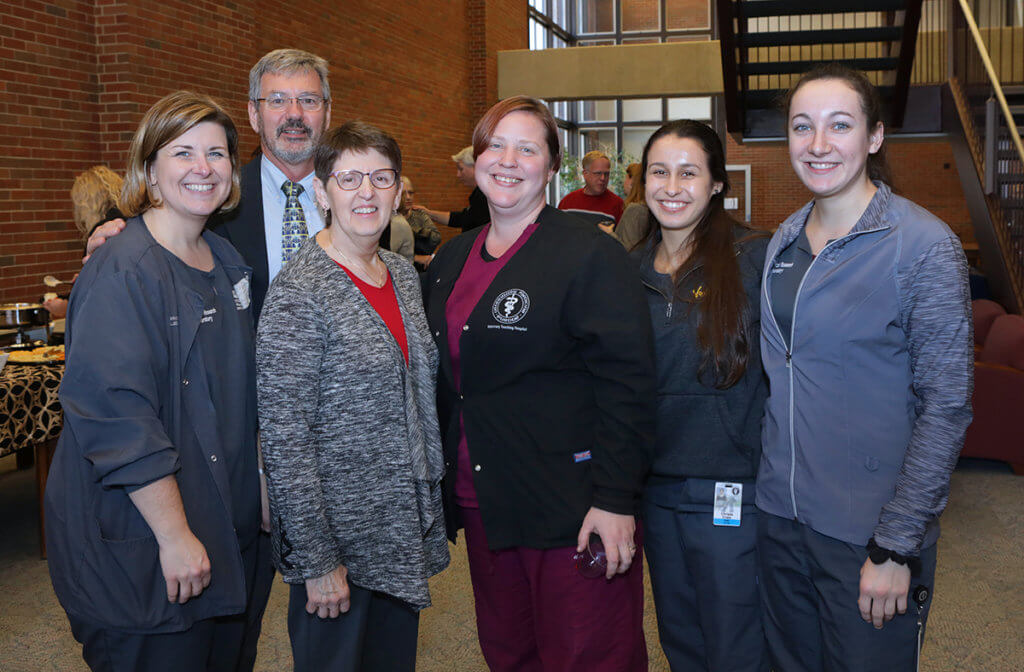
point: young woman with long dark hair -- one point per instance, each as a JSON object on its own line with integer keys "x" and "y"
{"x": 702, "y": 272}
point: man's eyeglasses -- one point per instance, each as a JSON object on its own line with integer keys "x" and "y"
{"x": 277, "y": 103}
{"x": 350, "y": 180}
{"x": 599, "y": 173}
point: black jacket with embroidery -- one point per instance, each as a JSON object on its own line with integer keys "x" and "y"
{"x": 574, "y": 373}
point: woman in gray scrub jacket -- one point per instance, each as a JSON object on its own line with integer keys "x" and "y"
{"x": 866, "y": 340}
{"x": 153, "y": 500}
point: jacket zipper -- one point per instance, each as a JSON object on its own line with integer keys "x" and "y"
{"x": 789, "y": 354}
{"x": 668, "y": 299}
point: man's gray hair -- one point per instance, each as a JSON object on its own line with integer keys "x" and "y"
{"x": 288, "y": 61}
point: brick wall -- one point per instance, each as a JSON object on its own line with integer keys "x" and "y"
{"x": 76, "y": 77}
{"x": 922, "y": 171}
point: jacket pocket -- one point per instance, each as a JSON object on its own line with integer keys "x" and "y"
{"x": 117, "y": 518}
{"x": 125, "y": 587}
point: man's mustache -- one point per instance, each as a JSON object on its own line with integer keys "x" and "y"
{"x": 294, "y": 126}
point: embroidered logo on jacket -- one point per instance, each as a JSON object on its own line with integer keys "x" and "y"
{"x": 511, "y": 306}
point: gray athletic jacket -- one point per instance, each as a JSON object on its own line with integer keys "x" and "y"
{"x": 349, "y": 432}
{"x": 868, "y": 408}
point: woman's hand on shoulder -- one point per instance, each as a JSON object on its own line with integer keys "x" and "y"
{"x": 616, "y": 531}
{"x": 328, "y": 596}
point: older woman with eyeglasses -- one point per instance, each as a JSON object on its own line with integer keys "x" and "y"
{"x": 346, "y": 378}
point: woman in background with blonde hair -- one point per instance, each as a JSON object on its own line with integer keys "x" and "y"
{"x": 94, "y": 198}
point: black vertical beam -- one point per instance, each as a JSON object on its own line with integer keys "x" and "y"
{"x": 911, "y": 22}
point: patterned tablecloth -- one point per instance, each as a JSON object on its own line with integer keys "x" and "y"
{"x": 29, "y": 410}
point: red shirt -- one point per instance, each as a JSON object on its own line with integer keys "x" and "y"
{"x": 385, "y": 302}
{"x": 607, "y": 203}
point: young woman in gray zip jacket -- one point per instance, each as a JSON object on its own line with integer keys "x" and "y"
{"x": 866, "y": 340}
{"x": 702, "y": 275}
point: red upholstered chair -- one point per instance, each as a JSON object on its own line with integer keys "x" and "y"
{"x": 997, "y": 432}
{"x": 985, "y": 313}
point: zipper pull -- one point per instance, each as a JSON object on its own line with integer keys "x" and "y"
{"x": 789, "y": 359}
{"x": 668, "y": 310}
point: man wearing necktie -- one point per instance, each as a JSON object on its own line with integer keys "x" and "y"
{"x": 289, "y": 108}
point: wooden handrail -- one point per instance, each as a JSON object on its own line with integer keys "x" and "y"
{"x": 996, "y": 87}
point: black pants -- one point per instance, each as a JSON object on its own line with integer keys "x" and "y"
{"x": 216, "y": 644}
{"x": 809, "y": 589}
{"x": 377, "y": 634}
{"x": 259, "y": 594}
{"x": 704, "y": 580}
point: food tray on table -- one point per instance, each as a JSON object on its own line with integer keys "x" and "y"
{"x": 39, "y": 356}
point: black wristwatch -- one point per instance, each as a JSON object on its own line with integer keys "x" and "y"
{"x": 879, "y": 556}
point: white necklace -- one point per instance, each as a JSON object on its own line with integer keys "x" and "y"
{"x": 373, "y": 281}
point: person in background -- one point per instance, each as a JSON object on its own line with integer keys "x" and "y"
{"x": 702, "y": 273}
{"x": 633, "y": 224}
{"x": 546, "y": 397}
{"x": 398, "y": 237}
{"x": 476, "y": 213}
{"x": 594, "y": 202}
{"x": 289, "y": 108}
{"x": 94, "y": 196}
{"x": 425, "y": 235}
{"x": 153, "y": 500}
{"x": 866, "y": 340}
{"x": 630, "y": 179}
{"x": 347, "y": 372}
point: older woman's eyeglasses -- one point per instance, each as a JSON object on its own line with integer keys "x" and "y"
{"x": 277, "y": 103}
{"x": 350, "y": 180}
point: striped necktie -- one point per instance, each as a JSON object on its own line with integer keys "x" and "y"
{"x": 293, "y": 229}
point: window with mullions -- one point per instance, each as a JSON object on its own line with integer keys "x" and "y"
{"x": 617, "y": 127}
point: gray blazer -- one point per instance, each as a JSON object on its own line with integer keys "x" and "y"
{"x": 349, "y": 433}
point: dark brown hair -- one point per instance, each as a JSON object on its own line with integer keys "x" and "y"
{"x": 353, "y": 136}
{"x": 723, "y": 315}
{"x": 870, "y": 105}
{"x": 485, "y": 127}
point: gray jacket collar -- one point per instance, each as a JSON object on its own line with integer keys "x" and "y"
{"x": 873, "y": 218}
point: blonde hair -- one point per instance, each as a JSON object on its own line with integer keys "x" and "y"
{"x": 592, "y": 156}
{"x": 93, "y": 194}
{"x": 465, "y": 156}
{"x": 636, "y": 191}
{"x": 172, "y": 116}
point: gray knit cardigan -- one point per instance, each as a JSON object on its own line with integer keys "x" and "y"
{"x": 349, "y": 433}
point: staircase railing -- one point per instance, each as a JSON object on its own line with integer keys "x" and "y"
{"x": 995, "y": 145}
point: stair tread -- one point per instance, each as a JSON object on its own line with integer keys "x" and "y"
{"x": 761, "y": 98}
{"x": 831, "y": 36}
{"x": 782, "y": 67}
{"x": 800, "y": 7}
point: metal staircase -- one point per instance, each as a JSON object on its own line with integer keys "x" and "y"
{"x": 985, "y": 120}
{"x": 767, "y": 44}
